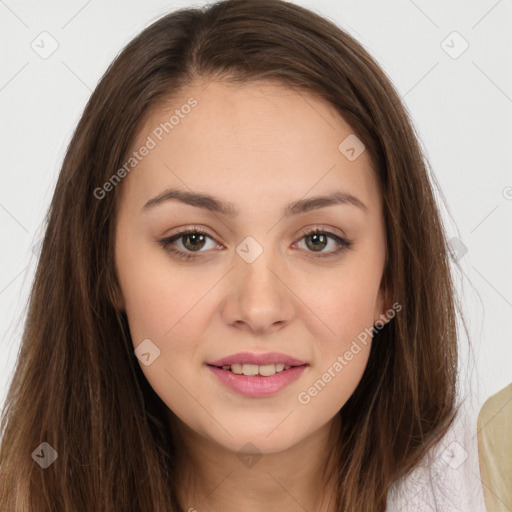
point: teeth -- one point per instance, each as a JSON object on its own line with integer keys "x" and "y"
{"x": 236, "y": 368}
{"x": 265, "y": 370}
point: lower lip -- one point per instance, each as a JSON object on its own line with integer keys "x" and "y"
{"x": 256, "y": 385}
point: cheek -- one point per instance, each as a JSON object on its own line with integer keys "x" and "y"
{"x": 174, "y": 321}
{"x": 341, "y": 357}
{"x": 345, "y": 306}
{"x": 163, "y": 305}
{"x": 159, "y": 298}
{"x": 149, "y": 304}
{"x": 162, "y": 319}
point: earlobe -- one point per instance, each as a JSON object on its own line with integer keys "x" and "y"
{"x": 383, "y": 308}
{"x": 115, "y": 295}
{"x": 118, "y": 301}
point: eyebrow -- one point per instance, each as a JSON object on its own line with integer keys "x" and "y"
{"x": 216, "y": 205}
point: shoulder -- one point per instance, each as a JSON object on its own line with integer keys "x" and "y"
{"x": 495, "y": 449}
{"x": 497, "y": 408}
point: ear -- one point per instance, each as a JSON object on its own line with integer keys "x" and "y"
{"x": 115, "y": 295}
{"x": 384, "y": 310}
{"x": 117, "y": 300}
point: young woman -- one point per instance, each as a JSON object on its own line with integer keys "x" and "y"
{"x": 243, "y": 299}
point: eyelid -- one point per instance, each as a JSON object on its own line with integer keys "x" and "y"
{"x": 327, "y": 229}
{"x": 304, "y": 231}
{"x": 331, "y": 232}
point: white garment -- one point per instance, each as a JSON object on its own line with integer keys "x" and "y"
{"x": 448, "y": 478}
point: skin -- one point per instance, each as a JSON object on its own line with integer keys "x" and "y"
{"x": 261, "y": 146}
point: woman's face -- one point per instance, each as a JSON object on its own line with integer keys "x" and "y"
{"x": 256, "y": 282}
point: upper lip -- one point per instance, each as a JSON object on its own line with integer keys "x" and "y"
{"x": 259, "y": 359}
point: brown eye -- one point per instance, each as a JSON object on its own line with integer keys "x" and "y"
{"x": 318, "y": 241}
{"x": 186, "y": 243}
{"x": 195, "y": 241}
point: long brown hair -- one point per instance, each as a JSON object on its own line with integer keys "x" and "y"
{"x": 77, "y": 384}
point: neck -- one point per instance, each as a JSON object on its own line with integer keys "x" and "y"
{"x": 214, "y": 478}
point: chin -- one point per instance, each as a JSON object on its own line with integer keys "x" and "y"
{"x": 257, "y": 439}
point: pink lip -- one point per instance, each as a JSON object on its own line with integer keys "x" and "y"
{"x": 256, "y": 385}
{"x": 259, "y": 359}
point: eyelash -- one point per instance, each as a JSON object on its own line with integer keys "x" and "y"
{"x": 166, "y": 242}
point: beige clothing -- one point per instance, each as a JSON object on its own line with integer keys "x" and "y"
{"x": 495, "y": 450}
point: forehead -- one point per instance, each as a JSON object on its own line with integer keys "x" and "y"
{"x": 258, "y": 137}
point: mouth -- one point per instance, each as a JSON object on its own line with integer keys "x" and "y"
{"x": 256, "y": 381}
{"x": 247, "y": 369}
{"x": 248, "y": 359}
{"x": 257, "y": 375}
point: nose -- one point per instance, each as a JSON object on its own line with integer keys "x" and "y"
{"x": 259, "y": 298}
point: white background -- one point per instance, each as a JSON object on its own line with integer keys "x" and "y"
{"x": 462, "y": 111}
